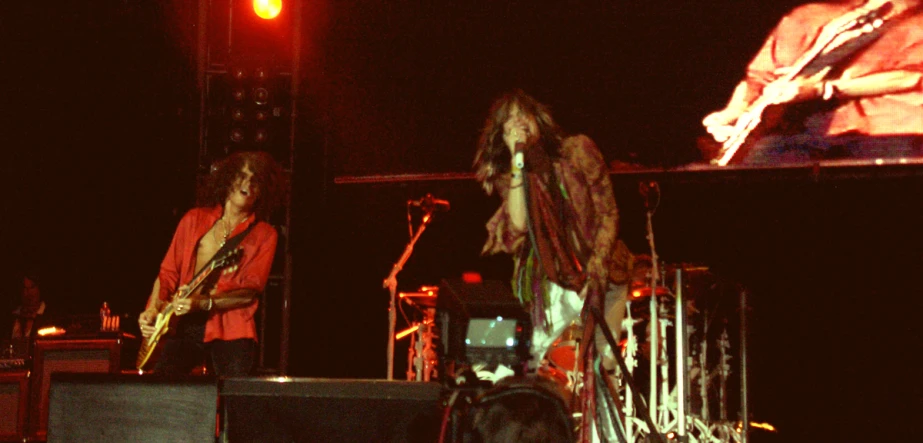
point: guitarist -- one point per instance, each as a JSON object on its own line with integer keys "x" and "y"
{"x": 867, "y": 104}
{"x": 217, "y": 322}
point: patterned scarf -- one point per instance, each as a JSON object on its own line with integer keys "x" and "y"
{"x": 551, "y": 254}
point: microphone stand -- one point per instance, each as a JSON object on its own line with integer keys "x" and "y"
{"x": 391, "y": 283}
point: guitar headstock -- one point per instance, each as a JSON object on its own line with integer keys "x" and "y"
{"x": 228, "y": 259}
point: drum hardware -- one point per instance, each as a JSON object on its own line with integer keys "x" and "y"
{"x": 421, "y": 354}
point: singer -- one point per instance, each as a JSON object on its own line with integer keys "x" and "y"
{"x": 558, "y": 217}
{"x": 869, "y": 104}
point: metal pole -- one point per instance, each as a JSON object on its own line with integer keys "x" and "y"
{"x": 285, "y": 327}
{"x": 201, "y": 76}
{"x": 653, "y": 326}
{"x": 744, "y": 407}
{"x": 680, "y": 332}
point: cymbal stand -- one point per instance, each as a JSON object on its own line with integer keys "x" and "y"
{"x": 390, "y": 283}
{"x": 682, "y": 351}
{"x": 663, "y": 367}
{"x": 703, "y": 371}
{"x": 651, "y": 193}
{"x": 631, "y": 362}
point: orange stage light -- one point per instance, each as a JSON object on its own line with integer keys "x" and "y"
{"x": 267, "y": 9}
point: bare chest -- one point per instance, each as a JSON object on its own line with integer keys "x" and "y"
{"x": 208, "y": 245}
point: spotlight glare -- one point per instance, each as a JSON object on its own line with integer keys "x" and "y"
{"x": 267, "y": 9}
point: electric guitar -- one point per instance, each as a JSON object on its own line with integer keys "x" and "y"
{"x": 227, "y": 260}
{"x": 833, "y": 35}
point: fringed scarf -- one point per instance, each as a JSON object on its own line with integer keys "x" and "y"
{"x": 550, "y": 254}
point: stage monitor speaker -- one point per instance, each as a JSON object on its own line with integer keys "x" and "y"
{"x": 285, "y": 410}
{"x": 89, "y": 408}
{"x": 14, "y": 399}
{"x": 65, "y": 355}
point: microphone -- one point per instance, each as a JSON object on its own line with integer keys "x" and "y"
{"x": 429, "y": 203}
{"x": 651, "y": 192}
{"x": 518, "y": 157}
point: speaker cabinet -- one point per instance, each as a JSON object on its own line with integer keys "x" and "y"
{"x": 283, "y": 410}
{"x": 66, "y": 355}
{"x": 132, "y": 408}
{"x": 14, "y": 399}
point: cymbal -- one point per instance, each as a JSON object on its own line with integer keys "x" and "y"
{"x": 687, "y": 267}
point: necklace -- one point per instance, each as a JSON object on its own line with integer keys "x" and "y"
{"x": 226, "y": 227}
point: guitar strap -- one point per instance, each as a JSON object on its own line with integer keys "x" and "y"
{"x": 232, "y": 242}
{"x": 229, "y": 245}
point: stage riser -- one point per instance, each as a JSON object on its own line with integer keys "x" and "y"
{"x": 106, "y": 409}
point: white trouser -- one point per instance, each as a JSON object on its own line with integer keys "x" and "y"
{"x": 564, "y": 306}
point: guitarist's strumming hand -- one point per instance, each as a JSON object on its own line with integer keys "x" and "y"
{"x": 720, "y": 124}
{"x": 146, "y": 322}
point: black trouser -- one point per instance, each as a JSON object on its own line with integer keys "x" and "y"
{"x": 185, "y": 350}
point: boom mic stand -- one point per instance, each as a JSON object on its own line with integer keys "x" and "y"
{"x": 390, "y": 281}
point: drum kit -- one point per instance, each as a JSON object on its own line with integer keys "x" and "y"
{"x": 681, "y": 343}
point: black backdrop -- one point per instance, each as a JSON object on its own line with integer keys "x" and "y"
{"x": 100, "y": 146}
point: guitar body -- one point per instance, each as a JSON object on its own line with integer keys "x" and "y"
{"x": 226, "y": 261}
{"x": 148, "y": 345}
{"x": 759, "y": 119}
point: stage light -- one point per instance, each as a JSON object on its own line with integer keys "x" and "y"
{"x": 261, "y": 96}
{"x": 261, "y": 136}
{"x": 51, "y": 331}
{"x": 237, "y": 135}
{"x": 261, "y": 74}
{"x": 237, "y": 114}
{"x": 267, "y": 9}
{"x": 239, "y": 73}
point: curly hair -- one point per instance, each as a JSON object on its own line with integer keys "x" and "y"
{"x": 493, "y": 157}
{"x": 267, "y": 176}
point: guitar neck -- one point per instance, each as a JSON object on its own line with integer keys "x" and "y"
{"x": 196, "y": 282}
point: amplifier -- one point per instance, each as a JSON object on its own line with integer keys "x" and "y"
{"x": 12, "y": 364}
{"x": 71, "y": 356}
{"x": 14, "y": 399}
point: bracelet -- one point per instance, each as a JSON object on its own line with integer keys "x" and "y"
{"x": 211, "y": 304}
